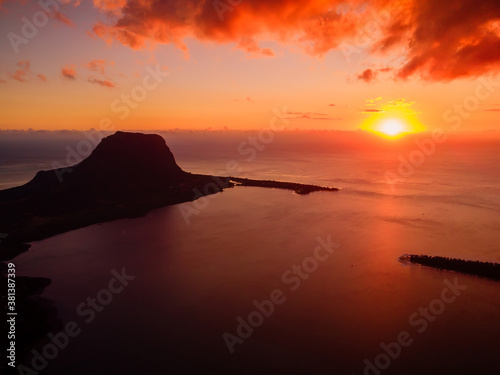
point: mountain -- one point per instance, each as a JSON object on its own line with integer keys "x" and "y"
{"x": 125, "y": 176}
{"x": 121, "y": 163}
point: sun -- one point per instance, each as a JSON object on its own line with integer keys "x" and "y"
{"x": 392, "y": 127}
{"x": 394, "y": 120}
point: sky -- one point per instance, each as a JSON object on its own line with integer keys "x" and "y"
{"x": 234, "y": 64}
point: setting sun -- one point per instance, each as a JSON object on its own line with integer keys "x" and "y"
{"x": 392, "y": 127}
{"x": 391, "y": 119}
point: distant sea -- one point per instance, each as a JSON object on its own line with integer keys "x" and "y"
{"x": 195, "y": 277}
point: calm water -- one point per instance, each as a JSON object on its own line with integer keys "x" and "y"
{"x": 193, "y": 280}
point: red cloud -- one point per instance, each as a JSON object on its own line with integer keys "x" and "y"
{"x": 102, "y": 82}
{"x": 62, "y": 18}
{"x": 368, "y": 75}
{"x": 460, "y": 39}
{"x": 98, "y": 65}
{"x": 110, "y": 6}
{"x": 434, "y": 40}
{"x": 312, "y": 23}
{"x": 69, "y": 72}
{"x": 251, "y": 46}
{"x": 23, "y": 72}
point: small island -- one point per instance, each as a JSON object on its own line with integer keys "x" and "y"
{"x": 469, "y": 267}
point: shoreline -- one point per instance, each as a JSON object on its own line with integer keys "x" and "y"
{"x": 21, "y": 233}
{"x": 301, "y": 189}
{"x": 468, "y": 267}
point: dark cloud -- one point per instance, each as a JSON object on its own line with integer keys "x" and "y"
{"x": 430, "y": 39}
{"x": 368, "y": 75}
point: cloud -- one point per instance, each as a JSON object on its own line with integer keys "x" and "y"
{"x": 3, "y": 80}
{"x": 372, "y": 101}
{"x": 385, "y": 70}
{"x": 308, "y": 116}
{"x": 314, "y": 24}
{"x": 492, "y": 110}
{"x": 447, "y": 42}
{"x": 22, "y": 74}
{"x": 397, "y": 106}
{"x": 372, "y": 110}
{"x": 250, "y": 46}
{"x": 98, "y": 65}
{"x": 112, "y": 7}
{"x": 69, "y": 72}
{"x": 62, "y": 18}
{"x": 331, "y": 105}
{"x": 402, "y": 105}
{"x": 102, "y": 82}
{"x": 427, "y": 40}
{"x": 368, "y": 75}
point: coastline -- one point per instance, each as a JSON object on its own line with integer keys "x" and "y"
{"x": 475, "y": 268}
{"x": 24, "y": 231}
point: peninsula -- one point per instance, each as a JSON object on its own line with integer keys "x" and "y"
{"x": 476, "y": 268}
{"x": 127, "y": 175}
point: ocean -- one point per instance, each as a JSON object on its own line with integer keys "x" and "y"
{"x": 266, "y": 281}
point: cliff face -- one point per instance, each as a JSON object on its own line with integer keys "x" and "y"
{"x": 125, "y": 176}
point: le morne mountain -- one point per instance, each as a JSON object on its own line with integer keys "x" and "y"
{"x": 126, "y": 175}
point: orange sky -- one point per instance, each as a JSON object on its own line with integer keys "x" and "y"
{"x": 231, "y": 63}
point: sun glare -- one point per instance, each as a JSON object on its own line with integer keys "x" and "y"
{"x": 393, "y": 120}
{"x": 392, "y": 127}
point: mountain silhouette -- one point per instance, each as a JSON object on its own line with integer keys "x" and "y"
{"x": 126, "y": 175}
{"x": 120, "y": 164}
